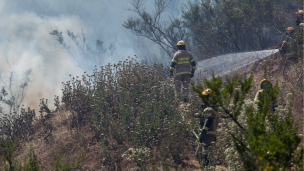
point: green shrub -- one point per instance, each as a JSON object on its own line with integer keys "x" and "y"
{"x": 133, "y": 104}
{"x": 261, "y": 140}
{"x": 17, "y": 126}
{"x": 62, "y": 162}
{"x": 30, "y": 163}
{"x": 10, "y": 163}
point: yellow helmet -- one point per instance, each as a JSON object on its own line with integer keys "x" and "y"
{"x": 301, "y": 24}
{"x": 300, "y": 12}
{"x": 265, "y": 81}
{"x": 289, "y": 29}
{"x": 206, "y": 92}
{"x": 181, "y": 43}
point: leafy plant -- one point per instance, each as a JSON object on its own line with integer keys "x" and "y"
{"x": 261, "y": 140}
{"x": 10, "y": 163}
{"x": 130, "y": 103}
{"x": 62, "y": 162}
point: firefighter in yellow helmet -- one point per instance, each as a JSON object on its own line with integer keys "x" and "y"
{"x": 289, "y": 31}
{"x": 181, "y": 62}
{"x": 265, "y": 83}
{"x": 209, "y": 120}
{"x": 299, "y": 15}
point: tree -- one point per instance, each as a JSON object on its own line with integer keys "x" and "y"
{"x": 263, "y": 141}
{"x": 154, "y": 27}
{"x": 234, "y": 26}
{"x": 212, "y": 28}
{"x": 13, "y": 97}
{"x": 85, "y": 56}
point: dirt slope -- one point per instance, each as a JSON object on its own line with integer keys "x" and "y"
{"x": 287, "y": 71}
{"x": 64, "y": 140}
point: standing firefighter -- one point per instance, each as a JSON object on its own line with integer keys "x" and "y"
{"x": 181, "y": 62}
{"x": 299, "y": 15}
{"x": 209, "y": 120}
{"x": 265, "y": 87}
{"x": 288, "y": 33}
{"x": 290, "y": 30}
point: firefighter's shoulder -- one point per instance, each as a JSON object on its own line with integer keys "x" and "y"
{"x": 176, "y": 54}
{"x": 189, "y": 54}
{"x": 209, "y": 112}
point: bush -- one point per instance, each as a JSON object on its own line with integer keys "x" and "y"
{"x": 212, "y": 28}
{"x": 261, "y": 139}
{"x": 130, "y": 106}
{"x": 10, "y": 163}
{"x": 17, "y": 126}
{"x": 128, "y": 103}
{"x": 63, "y": 164}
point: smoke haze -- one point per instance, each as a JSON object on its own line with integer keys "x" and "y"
{"x": 25, "y": 42}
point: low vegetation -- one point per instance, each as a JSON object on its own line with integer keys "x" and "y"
{"x": 130, "y": 113}
{"x": 125, "y": 116}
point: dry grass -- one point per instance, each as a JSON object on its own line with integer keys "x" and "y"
{"x": 287, "y": 72}
{"x": 63, "y": 140}
{"x": 70, "y": 140}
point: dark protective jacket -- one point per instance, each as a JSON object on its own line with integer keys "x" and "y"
{"x": 272, "y": 105}
{"x": 181, "y": 62}
{"x": 299, "y": 19}
{"x": 210, "y": 120}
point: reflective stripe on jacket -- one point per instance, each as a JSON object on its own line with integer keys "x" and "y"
{"x": 209, "y": 112}
{"x": 181, "y": 62}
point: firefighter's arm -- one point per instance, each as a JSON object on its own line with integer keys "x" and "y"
{"x": 173, "y": 63}
{"x": 298, "y": 21}
{"x": 172, "y": 66}
{"x": 192, "y": 62}
{"x": 208, "y": 124}
{"x": 197, "y": 115}
{"x": 256, "y": 98}
{"x": 209, "y": 114}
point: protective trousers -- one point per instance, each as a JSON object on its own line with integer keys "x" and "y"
{"x": 206, "y": 151}
{"x": 178, "y": 81}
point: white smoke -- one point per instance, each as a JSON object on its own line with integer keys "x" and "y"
{"x": 25, "y": 43}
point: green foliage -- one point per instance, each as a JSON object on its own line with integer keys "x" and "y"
{"x": 215, "y": 27}
{"x": 30, "y": 163}
{"x": 8, "y": 146}
{"x": 232, "y": 26}
{"x": 10, "y": 163}
{"x": 130, "y": 103}
{"x": 14, "y": 126}
{"x": 262, "y": 140}
{"x": 62, "y": 162}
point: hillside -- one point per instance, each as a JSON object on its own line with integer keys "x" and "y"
{"x": 65, "y": 135}
{"x": 73, "y": 96}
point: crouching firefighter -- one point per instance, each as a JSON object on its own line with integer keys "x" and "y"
{"x": 209, "y": 120}
{"x": 181, "y": 62}
{"x": 266, "y": 86}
